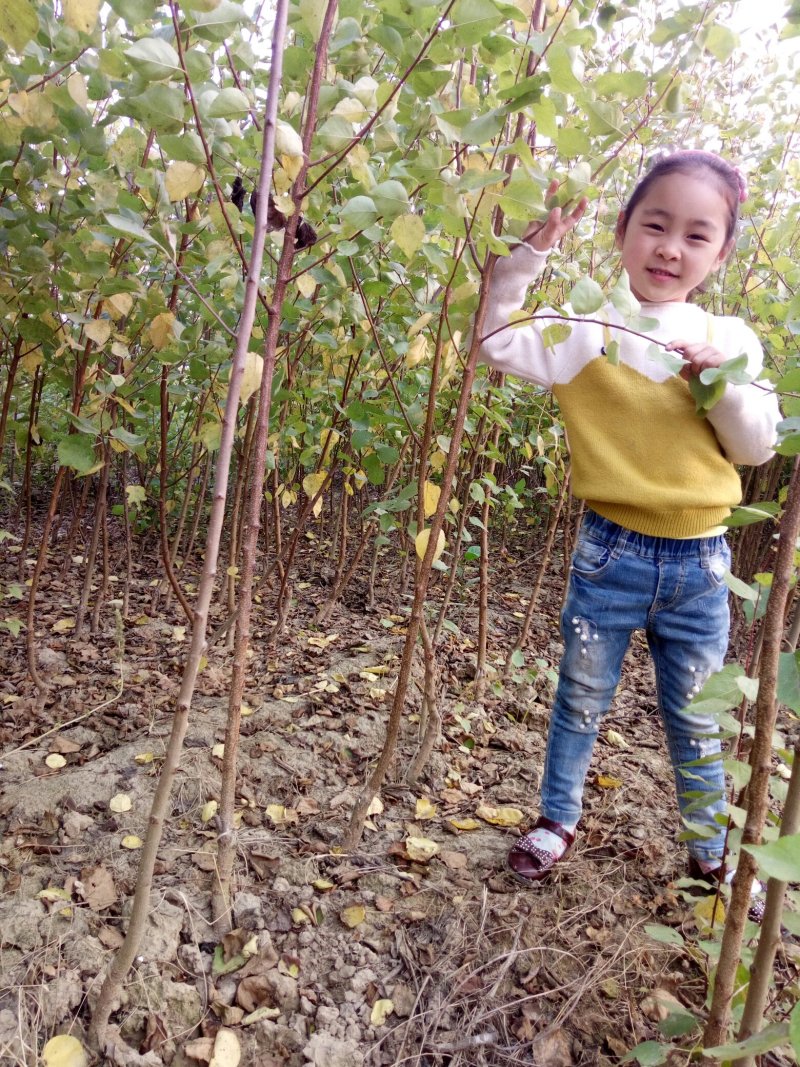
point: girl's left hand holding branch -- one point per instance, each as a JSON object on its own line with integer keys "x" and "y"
{"x": 699, "y": 356}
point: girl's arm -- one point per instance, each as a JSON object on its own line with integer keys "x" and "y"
{"x": 519, "y": 350}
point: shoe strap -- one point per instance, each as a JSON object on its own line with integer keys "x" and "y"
{"x": 554, "y": 828}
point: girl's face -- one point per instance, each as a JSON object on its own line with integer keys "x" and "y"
{"x": 675, "y": 237}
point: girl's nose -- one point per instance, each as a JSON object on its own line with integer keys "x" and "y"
{"x": 668, "y": 249}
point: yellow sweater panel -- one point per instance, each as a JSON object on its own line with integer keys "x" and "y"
{"x": 633, "y": 439}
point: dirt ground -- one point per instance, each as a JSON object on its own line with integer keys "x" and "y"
{"x": 389, "y": 955}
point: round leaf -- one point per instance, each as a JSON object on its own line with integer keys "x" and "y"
{"x": 64, "y": 1051}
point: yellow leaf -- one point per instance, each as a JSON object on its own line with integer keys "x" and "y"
{"x": 380, "y": 1010}
{"x": 322, "y": 884}
{"x": 464, "y": 824}
{"x": 379, "y": 669}
{"x": 119, "y": 304}
{"x": 438, "y": 460}
{"x": 706, "y": 914}
{"x": 375, "y": 806}
{"x": 312, "y": 483}
{"x": 178, "y": 633}
{"x": 420, "y": 324}
{"x": 408, "y": 233}
{"x": 502, "y": 816}
{"x": 329, "y": 439}
{"x": 55, "y": 761}
{"x": 424, "y": 809}
{"x": 300, "y": 917}
{"x": 245, "y": 710}
{"x": 209, "y": 810}
{"x": 183, "y": 179}
{"x": 227, "y": 1050}
{"x": 421, "y": 849}
{"x": 421, "y": 543}
{"x": 162, "y": 330}
{"x": 251, "y": 376}
{"x": 29, "y": 363}
{"x": 417, "y": 351}
{"x": 430, "y": 498}
{"x": 306, "y": 285}
{"x": 277, "y": 813}
{"x": 52, "y": 894}
{"x": 353, "y": 916}
{"x": 64, "y": 1051}
{"x": 144, "y": 757}
{"x": 120, "y": 803}
{"x": 608, "y": 781}
{"x": 615, "y": 739}
{"x": 81, "y": 15}
{"x": 63, "y": 626}
{"x": 76, "y": 87}
{"x": 131, "y": 841}
{"x": 98, "y": 330}
{"x": 218, "y": 751}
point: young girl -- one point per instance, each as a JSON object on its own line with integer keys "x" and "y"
{"x": 657, "y": 478}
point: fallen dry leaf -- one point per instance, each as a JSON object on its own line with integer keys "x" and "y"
{"x": 64, "y": 1051}
{"x": 132, "y": 842}
{"x": 99, "y": 890}
{"x": 424, "y": 809}
{"x": 353, "y": 916}
{"x": 503, "y": 816}
{"x": 464, "y": 824}
{"x": 608, "y": 781}
{"x": 55, "y": 761}
{"x": 381, "y": 1009}
{"x": 421, "y": 849}
{"x": 120, "y": 803}
{"x": 227, "y": 1050}
{"x": 456, "y": 861}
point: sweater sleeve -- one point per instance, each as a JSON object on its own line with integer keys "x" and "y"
{"x": 516, "y": 350}
{"x": 746, "y": 416}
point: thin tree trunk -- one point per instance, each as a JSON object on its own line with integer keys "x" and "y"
{"x": 221, "y": 892}
{"x": 770, "y": 934}
{"x": 126, "y": 954}
{"x": 760, "y": 762}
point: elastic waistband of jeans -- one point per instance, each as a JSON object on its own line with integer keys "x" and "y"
{"x": 620, "y": 538}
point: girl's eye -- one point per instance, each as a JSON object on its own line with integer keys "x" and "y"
{"x": 698, "y": 237}
{"x": 653, "y": 226}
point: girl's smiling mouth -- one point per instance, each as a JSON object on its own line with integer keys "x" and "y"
{"x": 660, "y": 272}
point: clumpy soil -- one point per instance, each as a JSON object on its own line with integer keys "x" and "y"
{"x": 399, "y": 953}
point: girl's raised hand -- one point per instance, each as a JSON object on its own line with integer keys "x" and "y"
{"x": 542, "y": 236}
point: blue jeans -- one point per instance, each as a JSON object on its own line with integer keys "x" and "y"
{"x": 673, "y": 590}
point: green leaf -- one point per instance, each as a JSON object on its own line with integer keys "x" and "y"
{"x": 586, "y": 296}
{"x": 766, "y": 1039}
{"x": 721, "y": 41}
{"x": 390, "y": 199}
{"x": 555, "y": 334}
{"x": 648, "y": 1054}
{"x": 789, "y": 680}
{"x": 18, "y": 22}
{"x": 622, "y": 298}
{"x": 746, "y": 516}
{"x": 154, "y": 58}
{"x": 664, "y": 934}
{"x": 76, "y": 452}
{"x": 630, "y": 84}
{"x": 230, "y": 103}
{"x": 358, "y": 213}
{"x": 130, "y": 228}
{"x": 472, "y": 20}
{"x": 779, "y": 859}
{"x": 794, "y": 1029}
{"x": 705, "y": 396}
{"x": 559, "y": 63}
{"x": 131, "y": 441}
{"x": 737, "y": 586}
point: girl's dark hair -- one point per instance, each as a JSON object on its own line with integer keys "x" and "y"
{"x": 729, "y": 179}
